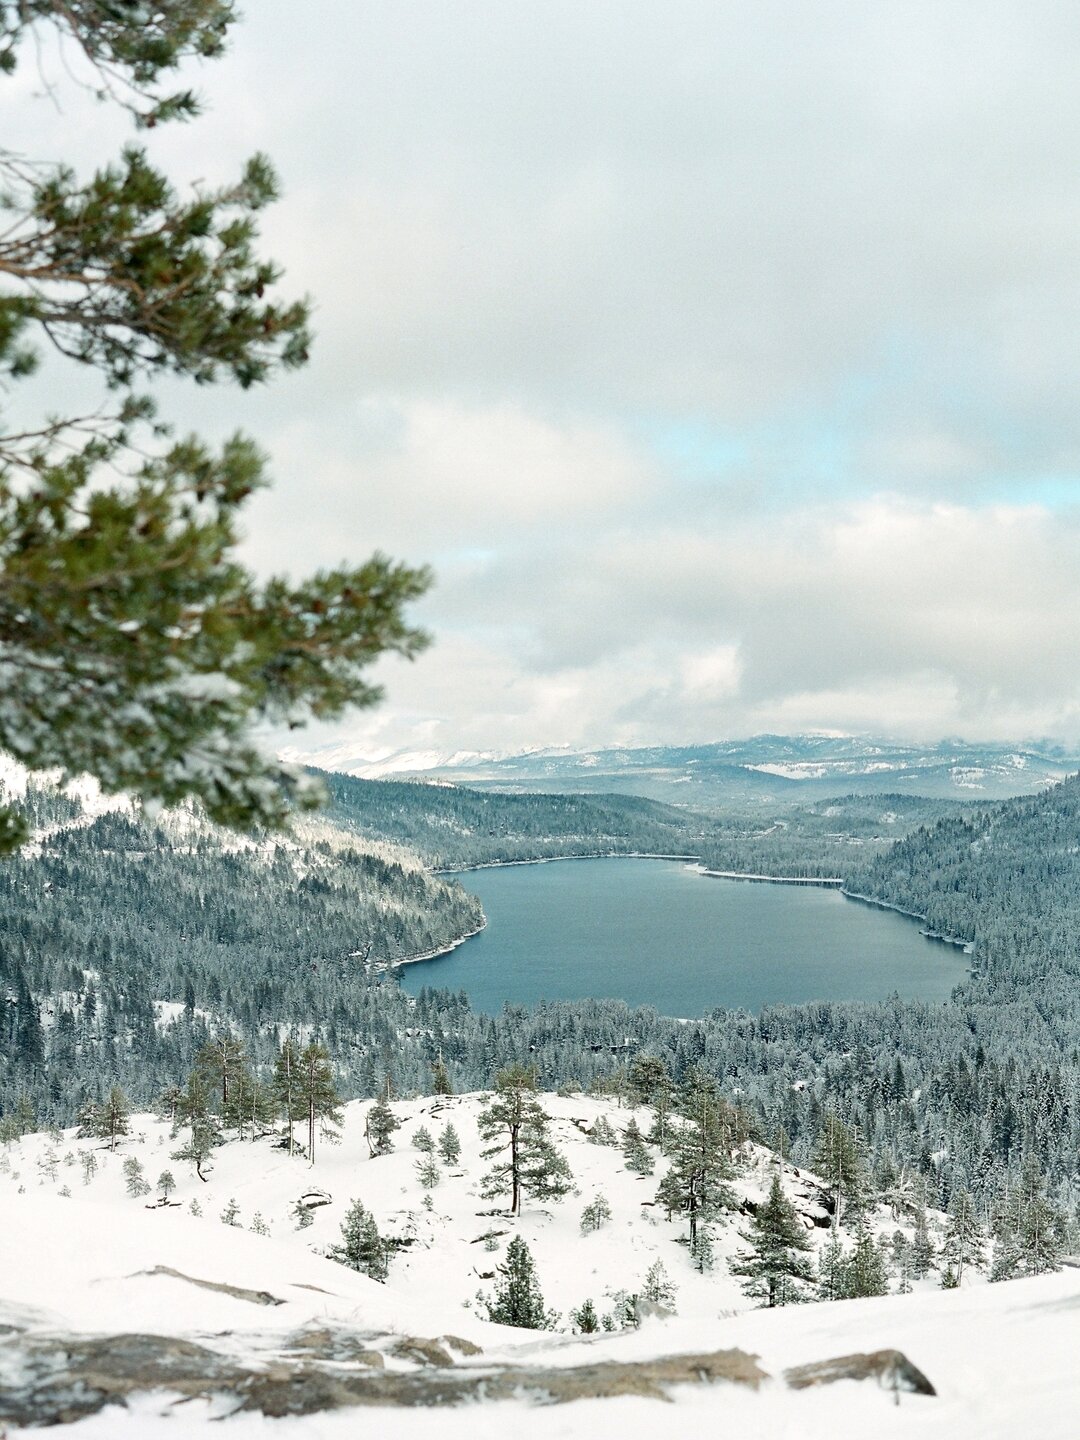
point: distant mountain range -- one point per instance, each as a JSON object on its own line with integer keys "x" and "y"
{"x": 762, "y": 768}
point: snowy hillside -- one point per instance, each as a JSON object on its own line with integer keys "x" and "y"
{"x": 85, "y": 1258}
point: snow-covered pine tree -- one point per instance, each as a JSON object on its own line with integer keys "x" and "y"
{"x": 703, "y": 1250}
{"x": 422, "y": 1140}
{"x": 379, "y": 1128}
{"x": 287, "y": 1088}
{"x": 1028, "y": 1230}
{"x": 224, "y": 1060}
{"x": 647, "y": 1078}
{"x": 776, "y": 1269}
{"x": 193, "y": 1111}
{"x": 696, "y": 1182}
{"x": 602, "y": 1132}
{"x": 635, "y": 1151}
{"x": 107, "y": 1120}
{"x": 440, "y": 1077}
{"x": 923, "y": 1252}
{"x": 839, "y": 1161}
{"x": 832, "y": 1268}
{"x": 428, "y": 1172}
{"x": 449, "y": 1145}
{"x": 361, "y": 1246}
{"x": 318, "y": 1091}
{"x": 517, "y": 1299}
{"x": 134, "y": 1178}
{"x": 865, "y": 1272}
{"x": 595, "y": 1215}
{"x": 585, "y": 1319}
{"x": 658, "y": 1287}
{"x": 515, "y": 1124}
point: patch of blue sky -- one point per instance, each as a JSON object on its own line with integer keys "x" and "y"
{"x": 776, "y": 461}
{"x": 1051, "y": 492}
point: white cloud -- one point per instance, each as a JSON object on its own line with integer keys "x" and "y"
{"x": 836, "y": 246}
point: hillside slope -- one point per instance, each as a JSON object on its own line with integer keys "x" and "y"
{"x": 171, "y": 1305}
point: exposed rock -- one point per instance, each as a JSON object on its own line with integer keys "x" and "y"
{"x": 463, "y": 1347}
{"x": 312, "y": 1199}
{"x": 423, "y": 1352}
{"x": 342, "y": 1347}
{"x": 56, "y": 1379}
{"x": 891, "y": 1368}
{"x": 236, "y": 1292}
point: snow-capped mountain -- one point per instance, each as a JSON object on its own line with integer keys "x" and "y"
{"x": 762, "y": 767}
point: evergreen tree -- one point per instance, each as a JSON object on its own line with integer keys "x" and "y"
{"x": 134, "y": 1178}
{"x": 963, "y": 1243}
{"x": 703, "y": 1250}
{"x": 108, "y": 1120}
{"x": 696, "y": 1182}
{"x": 229, "y": 1216}
{"x": 662, "y": 1130}
{"x": 635, "y": 1151}
{"x": 865, "y": 1272}
{"x": 318, "y": 1093}
{"x": 193, "y": 1111}
{"x": 923, "y": 1252}
{"x": 514, "y": 1124}
{"x": 361, "y": 1247}
{"x": 584, "y": 1319}
{"x": 776, "y": 1269}
{"x": 602, "y": 1132}
{"x": 440, "y": 1077}
{"x": 1028, "y": 1231}
{"x": 595, "y": 1215}
{"x": 648, "y": 1078}
{"x": 379, "y": 1128}
{"x": 422, "y": 1140}
{"x": 223, "y": 1060}
{"x": 255, "y": 1106}
{"x": 288, "y": 1088}
{"x": 427, "y": 1172}
{"x": 517, "y": 1299}
{"x": 658, "y": 1287}
{"x": 832, "y": 1268}
{"x": 449, "y": 1145}
{"x": 166, "y": 1184}
{"x": 838, "y": 1159}
{"x": 168, "y": 1101}
{"x": 155, "y": 682}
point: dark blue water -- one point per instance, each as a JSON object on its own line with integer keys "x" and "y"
{"x": 653, "y": 932}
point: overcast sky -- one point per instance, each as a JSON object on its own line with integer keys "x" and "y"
{"x": 722, "y": 358}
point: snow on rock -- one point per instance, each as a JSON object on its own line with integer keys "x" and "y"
{"x": 174, "y": 1287}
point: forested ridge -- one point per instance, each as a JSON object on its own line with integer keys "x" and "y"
{"x": 453, "y": 828}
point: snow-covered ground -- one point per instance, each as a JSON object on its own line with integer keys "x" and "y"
{"x": 1003, "y": 1358}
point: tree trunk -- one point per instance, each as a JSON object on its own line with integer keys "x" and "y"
{"x": 515, "y": 1173}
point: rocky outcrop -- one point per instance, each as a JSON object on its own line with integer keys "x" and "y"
{"x": 53, "y": 1379}
{"x": 890, "y": 1368}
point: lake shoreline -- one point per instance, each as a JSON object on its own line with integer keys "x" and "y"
{"x": 694, "y": 863}
{"x": 560, "y": 928}
{"x": 555, "y": 859}
{"x": 385, "y": 966}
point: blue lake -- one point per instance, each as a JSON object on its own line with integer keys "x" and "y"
{"x": 655, "y": 932}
